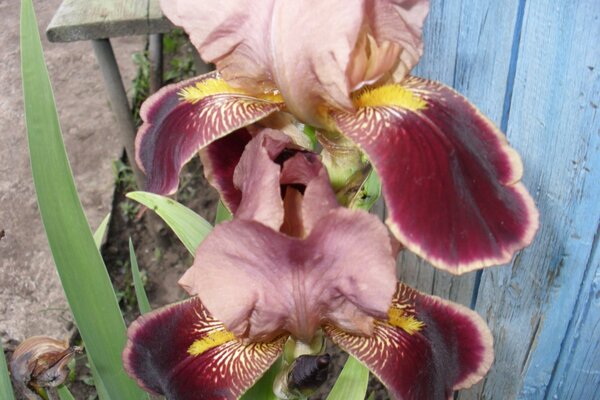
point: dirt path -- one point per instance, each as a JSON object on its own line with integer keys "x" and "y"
{"x": 31, "y": 298}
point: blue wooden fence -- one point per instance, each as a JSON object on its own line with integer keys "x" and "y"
{"x": 533, "y": 66}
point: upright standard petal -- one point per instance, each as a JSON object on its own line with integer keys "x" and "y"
{"x": 257, "y": 177}
{"x": 426, "y": 349}
{"x": 249, "y": 184}
{"x": 314, "y": 39}
{"x": 183, "y": 118}
{"x": 182, "y": 352}
{"x": 390, "y": 44}
{"x": 261, "y": 283}
{"x": 399, "y": 22}
{"x": 267, "y": 44}
{"x": 319, "y": 199}
{"x": 262, "y": 45}
{"x": 233, "y": 34}
{"x": 450, "y": 179}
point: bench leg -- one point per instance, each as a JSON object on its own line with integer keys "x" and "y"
{"x": 156, "y": 61}
{"x": 118, "y": 101}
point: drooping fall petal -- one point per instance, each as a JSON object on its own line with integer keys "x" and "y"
{"x": 182, "y": 352}
{"x": 261, "y": 282}
{"x": 450, "y": 178}
{"x": 426, "y": 349}
{"x": 183, "y": 118}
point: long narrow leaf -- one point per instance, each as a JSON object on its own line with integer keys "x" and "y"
{"x": 140, "y": 293}
{"x": 6, "y": 389}
{"x": 82, "y": 272}
{"x": 101, "y": 390}
{"x": 64, "y": 393}
{"x": 98, "y": 383}
{"x": 101, "y": 231}
{"x": 189, "y": 227}
{"x": 352, "y": 382}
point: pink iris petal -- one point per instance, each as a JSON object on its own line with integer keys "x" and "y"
{"x": 450, "y": 350}
{"x": 181, "y": 352}
{"x": 267, "y": 44}
{"x": 450, "y": 179}
{"x": 399, "y": 22}
{"x": 233, "y": 34}
{"x": 257, "y": 177}
{"x": 318, "y": 199}
{"x": 314, "y": 39}
{"x": 262, "y": 283}
{"x": 175, "y": 128}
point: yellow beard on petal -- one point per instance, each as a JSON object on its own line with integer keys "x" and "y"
{"x": 398, "y": 318}
{"x": 210, "y": 341}
{"x": 211, "y": 87}
{"x": 388, "y": 95}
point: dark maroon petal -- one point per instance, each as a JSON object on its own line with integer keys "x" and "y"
{"x": 450, "y": 179}
{"x": 219, "y": 160}
{"x": 428, "y": 347}
{"x": 181, "y": 119}
{"x": 161, "y": 355}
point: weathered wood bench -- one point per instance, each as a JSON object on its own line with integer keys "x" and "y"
{"x": 100, "y": 20}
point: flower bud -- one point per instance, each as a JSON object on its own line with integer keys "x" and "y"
{"x": 303, "y": 377}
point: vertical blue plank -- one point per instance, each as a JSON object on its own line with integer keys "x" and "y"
{"x": 543, "y": 310}
{"x": 470, "y": 46}
{"x": 467, "y": 46}
{"x": 566, "y": 361}
{"x": 577, "y": 373}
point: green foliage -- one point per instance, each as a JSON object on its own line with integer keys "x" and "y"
{"x": 189, "y": 227}
{"x": 80, "y": 267}
{"x": 141, "y": 83}
{"x": 176, "y": 48}
{"x": 368, "y": 194}
{"x": 6, "y": 390}
{"x": 64, "y": 393}
{"x": 223, "y": 214}
{"x": 124, "y": 177}
{"x": 140, "y": 293}
{"x": 311, "y": 133}
{"x": 101, "y": 231}
{"x": 129, "y": 209}
{"x": 352, "y": 382}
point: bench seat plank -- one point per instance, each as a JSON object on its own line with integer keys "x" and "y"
{"x": 100, "y": 19}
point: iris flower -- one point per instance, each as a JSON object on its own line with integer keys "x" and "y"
{"x": 294, "y": 264}
{"x": 450, "y": 179}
